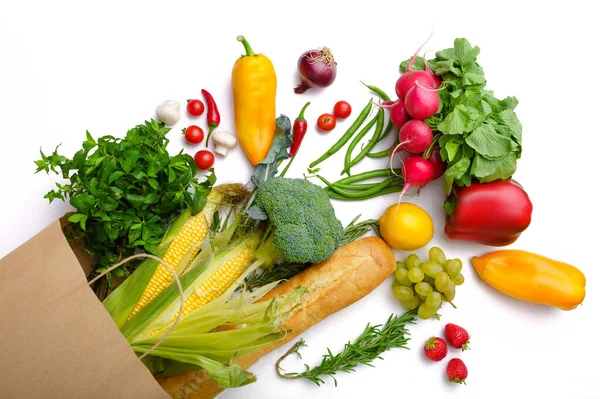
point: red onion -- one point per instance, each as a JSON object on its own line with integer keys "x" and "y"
{"x": 317, "y": 69}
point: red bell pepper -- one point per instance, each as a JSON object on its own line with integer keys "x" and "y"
{"x": 493, "y": 213}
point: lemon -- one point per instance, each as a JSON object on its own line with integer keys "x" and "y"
{"x": 406, "y": 226}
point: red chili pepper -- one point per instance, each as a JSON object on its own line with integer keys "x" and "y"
{"x": 493, "y": 213}
{"x": 212, "y": 115}
{"x": 300, "y": 128}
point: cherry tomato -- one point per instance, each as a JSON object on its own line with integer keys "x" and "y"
{"x": 326, "y": 122}
{"x": 204, "y": 159}
{"x": 195, "y": 107}
{"x": 193, "y": 134}
{"x": 342, "y": 109}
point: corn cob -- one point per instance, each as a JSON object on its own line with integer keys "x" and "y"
{"x": 220, "y": 281}
{"x": 187, "y": 242}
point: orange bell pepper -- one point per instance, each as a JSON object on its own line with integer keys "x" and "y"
{"x": 532, "y": 277}
{"x": 254, "y": 86}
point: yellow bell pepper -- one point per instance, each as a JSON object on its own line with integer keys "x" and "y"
{"x": 254, "y": 86}
{"x": 532, "y": 277}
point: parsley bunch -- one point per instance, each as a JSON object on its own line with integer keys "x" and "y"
{"x": 480, "y": 134}
{"x": 125, "y": 191}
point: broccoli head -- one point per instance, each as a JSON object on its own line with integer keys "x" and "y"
{"x": 306, "y": 229}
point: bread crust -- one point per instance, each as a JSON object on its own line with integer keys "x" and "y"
{"x": 352, "y": 272}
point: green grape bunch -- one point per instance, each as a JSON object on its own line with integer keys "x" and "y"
{"x": 425, "y": 285}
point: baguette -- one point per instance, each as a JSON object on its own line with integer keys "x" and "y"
{"x": 352, "y": 272}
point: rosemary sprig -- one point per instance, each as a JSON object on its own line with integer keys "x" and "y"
{"x": 285, "y": 271}
{"x": 368, "y": 346}
{"x": 354, "y": 231}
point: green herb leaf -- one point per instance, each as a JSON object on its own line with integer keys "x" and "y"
{"x": 471, "y": 114}
{"x": 507, "y": 120}
{"x": 445, "y": 55}
{"x": 115, "y": 175}
{"x": 89, "y": 142}
{"x": 455, "y": 172}
{"x": 125, "y": 188}
{"x": 444, "y": 67}
{"x": 277, "y": 153}
{"x": 487, "y": 142}
{"x": 488, "y": 170}
{"x": 84, "y": 203}
{"x": 473, "y": 78}
{"x": 78, "y": 218}
{"x": 107, "y": 203}
{"x": 369, "y": 346}
{"x": 418, "y": 65}
{"x": 450, "y": 205}
{"x": 457, "y": 121}
{"x": 198, "y": 201}
{"x": 464, "y": 52}
{"x": 450, "y": 146}
{"x": 52, "y": 195}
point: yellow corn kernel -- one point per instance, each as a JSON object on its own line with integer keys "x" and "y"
{"x": 219, "y": 282}
{"x": 193, "y": 232}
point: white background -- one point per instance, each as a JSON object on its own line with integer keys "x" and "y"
{"x": 68, "y": 67}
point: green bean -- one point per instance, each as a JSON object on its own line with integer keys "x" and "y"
{"x": 330, "y": 185}
{"x": 372, "y": 174}
{"x": 385, "y": 191}
{"x": 356, "y": 187}
{"x": 355, "y": 142}
{"x": 344, "y": 139}
{"x": 365, "y": 186}
{"x": 377, "y": 188}
{"x": 384, "y": 153}
{"x": 369, "y": 146}
{"x": 361, "y": 188}
{"x": 377, "y": 91}
{"x": 384, "y": 97}
{"x": 387, "y": 131}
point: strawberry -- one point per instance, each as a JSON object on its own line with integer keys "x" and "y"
{"x": 457, "y": 336}
{"x": 457, "y": 371}
{"x": 436, "y": 349}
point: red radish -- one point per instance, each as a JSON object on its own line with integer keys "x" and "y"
{"x": 416, "y": 172}
{"x": 415, "y": 136}
{"x": 398, "y": 113}
{"x": 407, "y": 80}
{"x": 394, "y": 150}
{"x": 437, "y": 82}
{"x": 422, "y": 101}
{"x": 435, "y": 159}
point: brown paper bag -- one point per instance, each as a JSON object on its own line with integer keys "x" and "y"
{"x": 56, "y": 339}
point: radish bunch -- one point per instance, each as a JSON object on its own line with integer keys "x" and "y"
{"x": 418, "y": 99}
